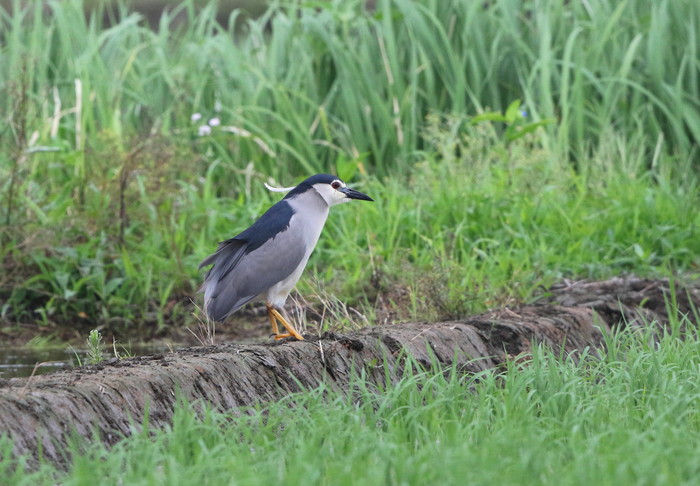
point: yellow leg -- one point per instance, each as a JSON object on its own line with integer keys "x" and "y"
{"x": 276, "y": 316}
{"x": 273, "y": 321}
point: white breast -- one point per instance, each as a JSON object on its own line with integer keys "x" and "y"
{"x": 310, "y": 214}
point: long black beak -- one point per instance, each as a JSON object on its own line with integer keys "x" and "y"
{"x": 353, "y": 194}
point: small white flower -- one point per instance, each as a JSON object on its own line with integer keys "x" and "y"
{"x": 214, "y": 122}
{"x": 196, "y": 117}
{"x": 204, "y": 130}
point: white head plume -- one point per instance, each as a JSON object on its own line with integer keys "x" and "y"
{"x": 278, "y": 189}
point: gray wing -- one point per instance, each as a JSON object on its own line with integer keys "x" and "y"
{"x": 239, "y": 276}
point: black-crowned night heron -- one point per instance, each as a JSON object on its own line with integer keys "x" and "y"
{"x": 266, "y": 260}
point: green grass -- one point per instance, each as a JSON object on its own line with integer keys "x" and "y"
{"x": 626, "y": 417}
{"x": 109, "y": 198}
{"x": 495, "y": 223}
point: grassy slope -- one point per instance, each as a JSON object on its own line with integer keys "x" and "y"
{"x": 109, "y": 198}
{"x": 629, "y": 417}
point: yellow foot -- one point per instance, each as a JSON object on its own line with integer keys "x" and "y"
{"x": 276, "y": 317}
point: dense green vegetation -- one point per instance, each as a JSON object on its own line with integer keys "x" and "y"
{"x": 109, "y": 196}
{"x": 507, "y": 143}
{"x": 628, "y": 417}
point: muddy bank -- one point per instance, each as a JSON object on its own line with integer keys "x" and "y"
{"x": 111, "y": 397}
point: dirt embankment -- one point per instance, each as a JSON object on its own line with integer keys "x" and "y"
{"x": 111, "y": 397}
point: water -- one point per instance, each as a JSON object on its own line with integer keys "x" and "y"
{"x": 19, "y": 362}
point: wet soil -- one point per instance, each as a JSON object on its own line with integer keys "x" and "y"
{"x": 43, "y": 411}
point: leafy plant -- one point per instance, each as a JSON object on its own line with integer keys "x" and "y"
{"x": 95, "y": 347}
{"x": 110, "y": 196}
{"x": 515, "y": 120}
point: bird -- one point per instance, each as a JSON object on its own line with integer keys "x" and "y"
{"x": 265, "y": 261}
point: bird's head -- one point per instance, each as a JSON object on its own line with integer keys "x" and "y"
{"x": 332, "y": 189}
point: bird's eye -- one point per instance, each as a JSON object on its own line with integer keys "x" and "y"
{"x": 336, "y": 185}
